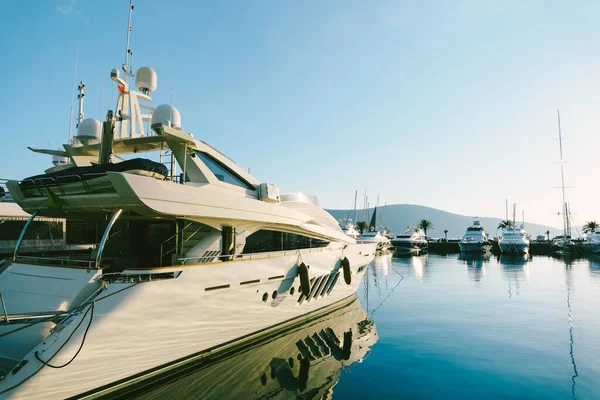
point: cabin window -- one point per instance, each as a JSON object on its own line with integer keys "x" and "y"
{"x": 222, "y": 172}
{"x": 265, "y": 241}
{"x": 43, "y": 230}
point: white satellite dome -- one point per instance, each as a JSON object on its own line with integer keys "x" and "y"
{"x": 145, "y": 79}
{"x": 168, "y": 115}
{"x": 89, "y": 130}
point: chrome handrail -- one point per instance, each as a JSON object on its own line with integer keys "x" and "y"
{"x": 105, "y": 236}
{"x": 22, "y": 235}
{"x": 169, "y": 238}
{"x": 4, "y": 309}
{"x": 61, "y": 259}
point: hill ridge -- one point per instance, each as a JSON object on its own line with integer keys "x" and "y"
{"x": 398, "y": 216}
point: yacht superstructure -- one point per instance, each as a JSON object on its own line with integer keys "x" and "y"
{"x": 475, "y": 239}
{"x": 184, "y": 264}
{"x": 514, "y": 241}
{"x": 412, "y": 241}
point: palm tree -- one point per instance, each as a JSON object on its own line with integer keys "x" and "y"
{"x": 590, "y": 227}
{"x": 425, "y": 224}
{"x": 505, "y": 224}
{"x": 362, "y": 226}
{"x": 446, "y": 234}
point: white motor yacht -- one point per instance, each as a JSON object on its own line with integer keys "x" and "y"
{"x": 514, "y": 241}
{"x": 475, "y": 239}
{"x": 185, "y": 264}
{"x": 412, "y": 241}
{"x": 350, "y": 230}
{"x": 382, "y": 241}
{"x": 592, "y": 243}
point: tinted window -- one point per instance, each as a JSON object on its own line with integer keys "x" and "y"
{"x": 266, "y": 241}
{"x": 223, "y": 173}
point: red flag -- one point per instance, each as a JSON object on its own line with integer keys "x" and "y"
{"x": 121, "y": 89}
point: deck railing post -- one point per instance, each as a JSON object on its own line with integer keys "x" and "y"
{"x": 4, "y": 309}
{"x": 22, "y": 235}
{"x": 105, "y": 236}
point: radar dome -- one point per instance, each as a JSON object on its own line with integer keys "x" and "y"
{"x": 168, "y": 115}
{"x": 145, "y": 79}
{"x": 89, "y": 130}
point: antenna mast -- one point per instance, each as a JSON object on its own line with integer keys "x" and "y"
{"x": 80, "y": 97}
{"x": 73, "y": 93}
{"x": 127, "y": 51}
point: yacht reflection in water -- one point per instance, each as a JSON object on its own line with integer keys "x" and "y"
{"x": 381, "y": 265}
{"x": 475, "y": 264}
{"x": 594, "y": 265}
{"x": 416, "y": 264}
{"x": 516, "y": 269}
{"x": 304, "y": 361}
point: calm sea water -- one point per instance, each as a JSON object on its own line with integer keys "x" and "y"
{"x": 429, "y": 327}
{"x": 470, "y": 327}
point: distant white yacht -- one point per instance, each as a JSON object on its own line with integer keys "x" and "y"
{"x": 475, "y": 239}
{"x": 412, "y": 241}
{"x": 383, "y": 242}
{"x": 592, "y": 243}
{"x": 514, "y": 241}
{"x": 350, "y": 230}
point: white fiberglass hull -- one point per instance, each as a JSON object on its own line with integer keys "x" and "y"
{"x": 473, "y": 247}
{"x": 593, "y": 248}
{"x": 402, "y": 248}
{"x": 139, "y": 327}
{"x": 514, "y": 247}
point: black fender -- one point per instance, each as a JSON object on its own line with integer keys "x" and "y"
{"x": 304, "y": 279}
{"x": 347, "y": 271}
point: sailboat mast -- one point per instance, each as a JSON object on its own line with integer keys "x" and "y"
{"x": 355, "y": 197}
{"x": 562, "y": 178}
{"x": 514, "y": 214}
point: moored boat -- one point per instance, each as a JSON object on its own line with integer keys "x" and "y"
{"x": 411, "y": 242}
{"x": 592, "y": 242}
{"x": 186, "y": 264}
{"x": 514, "y": 241}
{"x": 475, "y": 239}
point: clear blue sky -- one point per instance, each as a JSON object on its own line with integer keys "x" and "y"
{"x": 445, "y": 104}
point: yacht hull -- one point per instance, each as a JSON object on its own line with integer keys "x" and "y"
{"x": 408, "y": 248}
{"x": 473, "y": 247}
{"x": 514, "y": 248}
{"x": 592, "y": 248}
{"x": 138, "y": 329}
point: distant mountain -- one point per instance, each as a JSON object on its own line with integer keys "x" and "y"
{"x": 397, "y": 217}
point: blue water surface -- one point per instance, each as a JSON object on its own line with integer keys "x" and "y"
{"x": 480, "y": 327}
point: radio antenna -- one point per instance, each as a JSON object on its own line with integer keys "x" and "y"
{"x": 73, "y": 93}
